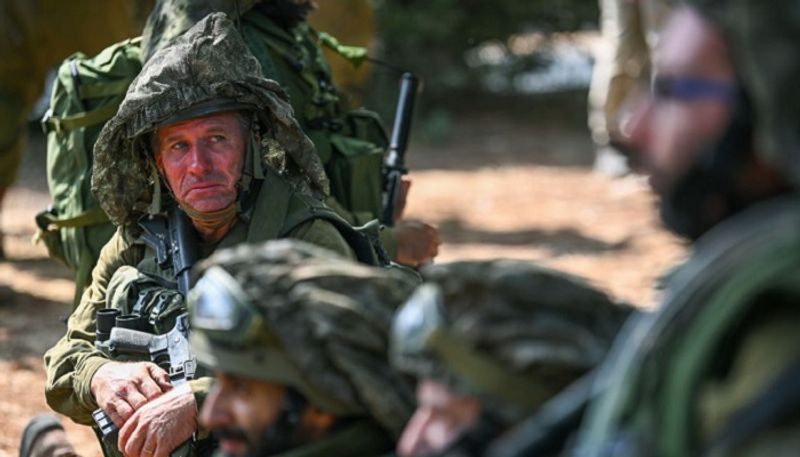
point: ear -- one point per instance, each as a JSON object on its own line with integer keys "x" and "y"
{"x": 317, "y": 421}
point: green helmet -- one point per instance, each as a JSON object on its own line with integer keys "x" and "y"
{"x": 294, "y": 314}
{"x": 511, "y": 333}
{"x": 763, "y": 38}
{"x": 208, "y": 69}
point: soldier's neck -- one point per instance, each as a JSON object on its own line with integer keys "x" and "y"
{"x": 211, "y": 232}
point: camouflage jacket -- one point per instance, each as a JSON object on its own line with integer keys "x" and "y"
{"x": 688, "y": 378}
{"x": 72, "y": 362}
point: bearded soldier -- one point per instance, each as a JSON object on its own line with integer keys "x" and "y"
{"x": 714, "y": 371}
{"x": 489, "y": 342}
{"x": 200, "y": 132}
{"x": 297, "y": 338}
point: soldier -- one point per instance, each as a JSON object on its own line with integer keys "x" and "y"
{"x": 200, "y": 128}
{"x": 348, "y": 142}
{"x": 489, "y": 342}
{"x": 714, "y": 371}
{"x": 297, "y": 339}
{"x": 630, "y": 32}
{"x": 34, "y": 35}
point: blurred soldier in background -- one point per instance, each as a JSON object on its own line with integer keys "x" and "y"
{"x": 489, "y": 342}
{"x": 297, "y": 338}
{"x": 630, "y": 31}
{"x": 714, "y": 371}
{"x": 34, "y": 36}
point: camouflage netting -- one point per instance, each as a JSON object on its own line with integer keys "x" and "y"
{"x": 331, "y": 317}
{"x": 542, "y": 326}
{"x": 763, "y": 37}
{"x": 210, "y": 62}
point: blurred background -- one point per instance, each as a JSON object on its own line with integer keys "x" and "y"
{"x": 501, "y": 156}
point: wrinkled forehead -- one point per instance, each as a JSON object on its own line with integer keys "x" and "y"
{"x": 229, "y": 123}
{"x": 692, "y": 46}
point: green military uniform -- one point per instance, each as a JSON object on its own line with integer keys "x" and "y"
{"x": 35, "y": 34}
{"x": 714, "y": 371}
{"x": 509, "y": 333}
{"x": 350, "y": 143}
{"x": 289, "y": 313}
{"x": 282, "y": 175}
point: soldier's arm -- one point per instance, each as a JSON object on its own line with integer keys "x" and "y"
{"x": 322, "y": 233}
{"x": 71, "y": 363}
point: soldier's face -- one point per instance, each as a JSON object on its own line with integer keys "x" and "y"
{"x": 202, "y": 159}
{"x": 442, "y": 416}
{"x": 239, "y": 411}
{"x": 690, "y": 105}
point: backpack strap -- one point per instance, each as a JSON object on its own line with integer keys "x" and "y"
{"x": 93, "y": 216}
{"x": 364, "y": 240}
{"x": 82, "y": 119}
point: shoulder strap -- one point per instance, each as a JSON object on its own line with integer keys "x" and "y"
{"x": 364, "y": 240}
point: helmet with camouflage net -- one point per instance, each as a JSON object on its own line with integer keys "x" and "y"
{"x": 208, "y": 69}
{"x": 291, "y": 313}
{"x": 511, "y": 333}
{"x": 763, "y": 38}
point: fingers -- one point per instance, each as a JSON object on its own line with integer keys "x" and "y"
{"x": 119, "y": 413}
{"x": 160, "y": 377}
{"x": 133, "y": 440}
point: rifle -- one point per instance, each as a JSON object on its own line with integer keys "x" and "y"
{"x": 174, "y": 240}
{"x": 394, "y": 167}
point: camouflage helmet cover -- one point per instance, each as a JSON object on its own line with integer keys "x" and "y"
{"x": 763, "y": 38}
{"x": 210, "y": 62}
{"x": 516, "y": 333}
{"x": 325, "y": 323}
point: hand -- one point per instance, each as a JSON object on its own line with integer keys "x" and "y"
{"x": 417, "y": 242}
{"x": 122, "y": 388}
{"x": 160, "y": 426}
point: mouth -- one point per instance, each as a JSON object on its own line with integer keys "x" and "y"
{"x": 233, "y": 447}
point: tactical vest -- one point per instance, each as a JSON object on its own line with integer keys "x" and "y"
{"x": 650, "y": 385}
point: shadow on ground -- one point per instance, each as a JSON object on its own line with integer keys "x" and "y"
{"x": 559, "y": 242}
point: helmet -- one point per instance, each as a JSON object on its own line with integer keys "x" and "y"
{"x": 291, "y": 313}
{"x": 763, "y": 38}
{"x": 208, "y": 69}
{"x": 511, "y": 333}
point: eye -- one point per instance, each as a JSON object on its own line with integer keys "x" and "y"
{"x": 216, "y": 139}
{"x": 179, "y": 146}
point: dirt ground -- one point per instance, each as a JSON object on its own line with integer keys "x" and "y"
{"x": 500, "y": 186}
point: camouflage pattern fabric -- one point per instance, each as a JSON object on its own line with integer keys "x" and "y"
{"x": 763, "y": 39}
{"x": 194, "y": 69}
{"x": 542, "y": 326}
{"x": 324, "y": 331}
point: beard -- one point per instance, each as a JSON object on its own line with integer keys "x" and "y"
{"x": 287, "y": 13}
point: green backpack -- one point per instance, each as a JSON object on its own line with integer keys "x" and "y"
{"x": 86, "y": 94}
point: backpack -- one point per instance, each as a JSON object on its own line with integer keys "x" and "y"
{"x": 87, "y": 93}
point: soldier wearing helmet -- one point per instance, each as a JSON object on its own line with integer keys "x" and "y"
{"x": 350, "y": 143}
{"x": 489, "y": 342}
{"x": 297, "y": 339}
{"x": 202, "y": 132}
{"x": 713, "y": 371}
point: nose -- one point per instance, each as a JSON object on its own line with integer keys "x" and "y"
{"x": 413, "y": 442}
{"x": 215, "y": 413}
{"x": 200, "y": 162}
